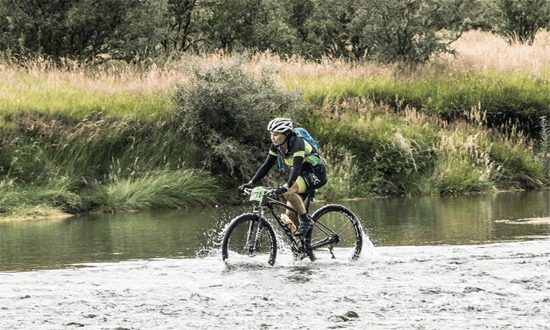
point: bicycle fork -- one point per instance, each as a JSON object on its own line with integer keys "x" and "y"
{"x": 253, "y": 235}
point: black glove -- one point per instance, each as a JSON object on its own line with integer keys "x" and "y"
{"x": 245, "y": 186}
{"x": 281, "y": 190}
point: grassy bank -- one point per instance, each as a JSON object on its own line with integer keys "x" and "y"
{"x": 502, "y": 97}
{"x": 374, "y": 150}
{"x": 99, "y": 164}
{"x": 86, "y": 137}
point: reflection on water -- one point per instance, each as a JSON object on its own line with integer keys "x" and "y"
{"x": 465, "y": 219}
{"x": 434, "y": 220}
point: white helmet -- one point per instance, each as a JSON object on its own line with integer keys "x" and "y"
{"x": 280, "y": 125}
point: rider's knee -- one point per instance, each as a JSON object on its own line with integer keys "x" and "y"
{"x": 290, "y": 193}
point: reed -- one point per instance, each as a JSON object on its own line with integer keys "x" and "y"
{"x": 164, "y": 190}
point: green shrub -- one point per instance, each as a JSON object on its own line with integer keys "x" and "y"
{"x": 459, "y": 176}
{"x": 224, "y": 111}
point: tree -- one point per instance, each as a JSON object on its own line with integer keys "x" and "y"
{"x": 79, "y": 28}
{"x": 181, "y": 17}
{"x": 411, "y": 31}
{"x": 522, "y": 19}
{"x": 330, "y": 28}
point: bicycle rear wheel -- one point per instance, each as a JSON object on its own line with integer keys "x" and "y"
{"x": 249, "y": 239}
{"x": 337, "y": 233}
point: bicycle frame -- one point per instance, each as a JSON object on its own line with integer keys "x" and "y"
{"x": 270, "y": 203}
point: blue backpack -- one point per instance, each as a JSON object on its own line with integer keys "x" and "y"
{"x": 305, "y": 135}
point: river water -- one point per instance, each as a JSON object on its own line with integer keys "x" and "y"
{"x": 463, "y": 262}
{"x": 433, "y": 220}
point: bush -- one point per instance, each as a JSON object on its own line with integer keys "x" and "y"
{"x": 224, "y": 111}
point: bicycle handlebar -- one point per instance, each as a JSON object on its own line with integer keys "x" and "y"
{"x": 268, "y": 190}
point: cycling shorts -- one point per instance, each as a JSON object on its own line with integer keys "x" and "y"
{"x": 313, "y": 178}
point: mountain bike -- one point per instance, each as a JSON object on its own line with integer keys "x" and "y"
{"x": 337, "y": 232}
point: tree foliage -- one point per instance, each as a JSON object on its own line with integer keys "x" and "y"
{"x": 522, "y": 19}
{"x": 78, "y": 28}
{"x": 411, "y": 31}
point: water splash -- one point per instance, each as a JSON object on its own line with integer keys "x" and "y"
{"x": 210, "y": 243}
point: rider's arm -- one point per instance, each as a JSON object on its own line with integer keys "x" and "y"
{"x": 298, "y": 150}
{"x": 262, "y": 171}
{"x": 296, "y": 170}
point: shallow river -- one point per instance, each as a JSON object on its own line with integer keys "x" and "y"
{"x": 455, "y": 220}
{"x": 462, "y": 262}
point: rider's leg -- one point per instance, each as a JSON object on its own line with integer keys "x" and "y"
{"x": 296, "y": 202}
{"x": 292, "y": 215}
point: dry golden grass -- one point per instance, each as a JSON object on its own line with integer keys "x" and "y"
{"x": 480, "y": 51}
{"x": 476, "y": 51}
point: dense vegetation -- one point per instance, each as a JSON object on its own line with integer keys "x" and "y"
{"x": 101, "y": 110}
{"x": 384, "y": 30}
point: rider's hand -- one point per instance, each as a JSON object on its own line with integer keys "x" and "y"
{"x": 245, "y": 186}
{"x": 281, "y": 190}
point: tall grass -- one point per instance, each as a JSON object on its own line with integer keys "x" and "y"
{"x": 373, "y": 150}
{"x": 26, "y": 92}
{"x": 476, "y": 52}
{"x": 82, "y": 137}
{"x": 100, "y": 164}
{"x": 165, "y": 190}
{"x": 505, "y": 97}
{"x": 345, "y": 176}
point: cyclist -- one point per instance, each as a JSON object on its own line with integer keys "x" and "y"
{"x": 308, "y": 170}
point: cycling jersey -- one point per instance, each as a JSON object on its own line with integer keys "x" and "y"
{"x": 308, "y": 168}
{"x": 298, "y": 146}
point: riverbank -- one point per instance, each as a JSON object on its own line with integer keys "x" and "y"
{"x": 493, "y": 286}
{"x": 110, "y": 137}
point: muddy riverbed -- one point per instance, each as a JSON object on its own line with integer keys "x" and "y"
{"x": 490, "y": 286}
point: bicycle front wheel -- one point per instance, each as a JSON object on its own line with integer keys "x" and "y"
{"x": 249, "y": 239}
{"x": 337, "y": 233}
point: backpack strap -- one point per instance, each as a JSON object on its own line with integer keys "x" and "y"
{"x": 279, "y": 162}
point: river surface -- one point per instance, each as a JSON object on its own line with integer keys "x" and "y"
{"x": 454, "y": 220}
{"x": 461, "y": 262}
